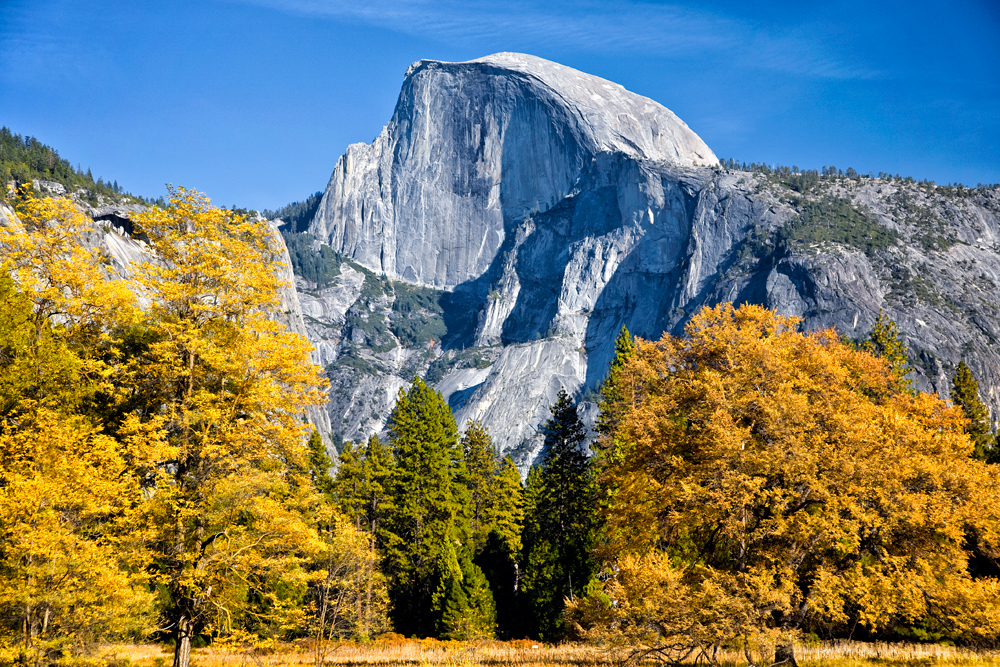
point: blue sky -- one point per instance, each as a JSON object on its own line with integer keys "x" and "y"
{"x": 253, "y": 101}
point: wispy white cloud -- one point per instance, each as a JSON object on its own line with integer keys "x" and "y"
{"x": 643, "y": 28}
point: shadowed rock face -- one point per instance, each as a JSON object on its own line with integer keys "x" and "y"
{"x": 549, "y": 208}
{"x": 472, "y": 149}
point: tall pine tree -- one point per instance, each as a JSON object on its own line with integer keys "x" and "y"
{"x": 500, "y": 555}
{"x": 428, "y": 531}
{"x": 376, "y": 487}
{"x": 559, "y": 534}
{"x": 482, "y": 465}
{"x": 346, "y": 487}
{"x": 616, "y": 391}
{"x": 320, "y": 465}
{"x": 507, "y": 509}
{"x": 965, "y": 394}
{"x": 467, "y": 610}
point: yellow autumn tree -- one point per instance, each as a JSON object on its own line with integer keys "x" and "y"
{"x": 351, "y": 597}
{"x": 761, "y": 482}
{"x": 220, "y": 427}
{"x": 69, "y": 574}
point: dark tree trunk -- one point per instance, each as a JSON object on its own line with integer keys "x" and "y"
{"x": 784, "y": 654}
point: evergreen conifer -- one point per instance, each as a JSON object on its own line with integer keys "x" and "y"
{"x": 320, "y": 465}
{"x": 347, "y": 485}
{"x": 482, "y": 465}
{"x": 429, "y": 524}
{"x": 500, "y": 556}
{"x": 377, "y": 471}
{"x": 883, "y": 341}
{"x": 467, "y": 608}
{"x": 614, "y": 390}
{"x": 965, "y": 394}
{"x": 559, "y": 534}
{"x": 507, "y": 509}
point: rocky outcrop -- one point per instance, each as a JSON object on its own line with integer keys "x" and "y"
{"x": 549, "y": 208}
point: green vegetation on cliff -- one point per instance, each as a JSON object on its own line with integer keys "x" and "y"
{"x": 24, "y": 159}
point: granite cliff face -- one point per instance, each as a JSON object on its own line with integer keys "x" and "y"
{"x": 472, "y": 149}
{"x": 514, "y": 214}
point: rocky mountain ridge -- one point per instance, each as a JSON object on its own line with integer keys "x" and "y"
{"x": 514, "y": 214}
{"x": 495, "y": 237}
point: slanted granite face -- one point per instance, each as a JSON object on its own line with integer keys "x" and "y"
{"x": 549, "y": 208}
{"x": 472, "y": 149}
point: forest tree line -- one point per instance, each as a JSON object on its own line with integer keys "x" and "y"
{"x": 749, "y": 483}
{"x": 24, "y": 159}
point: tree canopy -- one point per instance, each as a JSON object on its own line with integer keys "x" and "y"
{"x": 768, "y": 481}
{"x": 560, "y": 521}
{"x": 152, "y": 431}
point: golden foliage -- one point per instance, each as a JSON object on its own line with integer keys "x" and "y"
{"x": 160, "y": 445}
{"x": 762, "y": 480}
{"x": 220, "y": 434}
{"x": 44, "y": 252}
{"x": 69, "y": 573}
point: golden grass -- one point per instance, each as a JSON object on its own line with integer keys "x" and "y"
{"x": 431, "y": 653}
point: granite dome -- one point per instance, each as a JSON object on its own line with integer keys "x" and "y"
{"x": 475, "y": 147}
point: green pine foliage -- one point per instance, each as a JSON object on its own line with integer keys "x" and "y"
{"x": 883, "y": 341}
{"x": 429, "y": 523}
{"x": 24, "y": 159}
{"x": 319, "y": 267}
{"x": 835, "y": 220}
{"x": 377, "y": 475}
{"x": 482, "y": 465}
{"x": 320, "y": 465}
{"x": 347, "y": 488}
{"x": 615, "y": 396}
{"x": 561, "y": 525}
{"x": 965, "y": 394}
{"x": 467, "y": 608}
{"x": 296, "y": 215}
{"x": 417, "y": 315}
{"x": 499, "y": 554}
{"x": 507, "y": 507}
{"x": 497, "y": 522}
{"x": 502, "y": 567}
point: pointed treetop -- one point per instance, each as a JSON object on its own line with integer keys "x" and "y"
{"x": 883, "y": 341}
{"x": 614, "y": 389}
{"x": 320, "y": 464}
{"x": 965, "y": 394}
{"x": 565, "y": 434}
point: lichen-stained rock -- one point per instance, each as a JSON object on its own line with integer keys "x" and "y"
{"x": 549, "y": 208}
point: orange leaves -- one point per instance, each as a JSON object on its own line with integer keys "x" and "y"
{"x": 794, "y": 470}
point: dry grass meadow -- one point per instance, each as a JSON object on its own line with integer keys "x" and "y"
{"x": 433, "y": 653}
